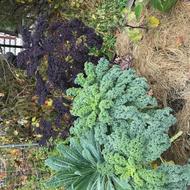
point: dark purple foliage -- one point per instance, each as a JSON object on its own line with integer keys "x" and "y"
{"x": 55, "y": 71}
{"x": 65, "y": 133}
{"x": 66, "y": 47}
{"x": 61, "y": 110}
{"x": 22, "y": 59}
{"x": 41, "y": 89}
{"x": 29, "y": 59}
{"x": 66, "y": 44}
{"x": 26, "y": 36}
{"x": 46, "y": 130}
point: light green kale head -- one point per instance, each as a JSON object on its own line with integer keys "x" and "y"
{"x": 102, "y": 88}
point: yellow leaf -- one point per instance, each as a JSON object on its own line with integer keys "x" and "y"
{"x": 153, "y": 22}
{"x": 176, "y": 136}
{"x": 49, "y": 102}
{"x": 171, "y": 162}
{"x": 33, "y": 119}
{"x": 15, "y": 152}
{"x": 15, "y": 132}
{"x": 7, "y": 122}
{"x": 38, "y": 136}
{"x": 37, "y": 124}
{"x": 154, "y": 166}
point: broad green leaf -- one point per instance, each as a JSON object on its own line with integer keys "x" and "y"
{"x": 138, "y": 10}
{"x": 163, "y": 5}
{"x": 168, "y": 4}
{"x": 157, "y": 4}
{"x": 56, "y": 163}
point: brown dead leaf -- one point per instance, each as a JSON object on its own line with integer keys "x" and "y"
{"x": 24, "y": 179}
{"x": 3, "y": 175}
{"x": 179, "y": 40}
{"x": 150, "y": 92}
{"x": 15, "y": 152}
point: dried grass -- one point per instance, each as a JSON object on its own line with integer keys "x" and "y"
{"x": 163, "y": 57}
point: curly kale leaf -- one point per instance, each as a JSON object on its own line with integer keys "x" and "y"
{"x": 103, "y": 88}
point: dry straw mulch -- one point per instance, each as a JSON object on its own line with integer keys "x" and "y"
{"x": 163, "y": 57}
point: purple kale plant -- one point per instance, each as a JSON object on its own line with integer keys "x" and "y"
{"x": 61, "y": 111}
{"x": 69, "y": 47}
{"x": 65, "y": 46}
{"x": 29, "y": 59}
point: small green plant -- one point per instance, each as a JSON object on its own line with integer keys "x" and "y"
{"x": 161, "y": 5}
{"x": 135, "y": 13}
{"x": 128, "y": 134}
{"x": 104, "y": 15}
{"x": 106, "y": 19}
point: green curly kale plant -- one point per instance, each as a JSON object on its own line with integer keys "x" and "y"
{"x": 129, "y": 129}
{"x": 108, "y": 95}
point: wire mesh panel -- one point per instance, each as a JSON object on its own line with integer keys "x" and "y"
{"x": 18, "y": 169}
{"x": 2, "y": 172}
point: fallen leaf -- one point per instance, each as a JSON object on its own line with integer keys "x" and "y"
{"x": 3, "y": 175}
{"x": 15, "y": 132}
{"x": 49, "y": 102}
{"x": 179, "y": 41}
{"x": 24, "y": 179}
{"x": 153, "y": 22}
{"x": 15, "y": 152}
{"x": 154, "y": 165}
{"x": 176, "y": 136}
{"x": 150, "y": 92}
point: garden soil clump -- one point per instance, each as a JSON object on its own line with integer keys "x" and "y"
{"x": 163, "y": 57}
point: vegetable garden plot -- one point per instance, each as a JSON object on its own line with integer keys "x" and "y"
{"x": 99, "y": 124}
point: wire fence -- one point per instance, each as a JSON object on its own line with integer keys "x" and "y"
{"x": 17, "y": 167}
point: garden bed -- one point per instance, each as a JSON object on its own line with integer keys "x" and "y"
{"x": 100, "y": 95}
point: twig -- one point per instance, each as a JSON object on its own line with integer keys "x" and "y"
{"x": 142, "y": 27}
{"x": 22, "y": 91}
